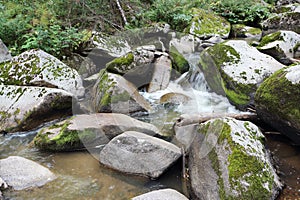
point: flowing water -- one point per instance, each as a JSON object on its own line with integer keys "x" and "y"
{"x": 80, "y": 176}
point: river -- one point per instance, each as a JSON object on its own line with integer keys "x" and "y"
{"x": 80, "y": 176}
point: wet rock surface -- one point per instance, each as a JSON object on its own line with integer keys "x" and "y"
{"x": 21, "y": 173}
{"x": 139, "y": 154}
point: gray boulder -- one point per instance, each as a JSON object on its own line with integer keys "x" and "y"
{"x": 139, "y": 154}
{"x": 236, "y": 69}
{"x": 23, "y": 108}
{"x": 281, "y": 45}
{"x": 4, "y": 53}
{"x": 289, "y": 21}
{"x": 88, "y": 131}
{"x": 277, "y": 102}
{"x": 228, "y": 160}
{"x": 113, "y": 93}
{"x": 21, "y": 173}
{"x": 162, "y": 194}
{"x": 161, "y": 74}
{"x": 38, "y": 68}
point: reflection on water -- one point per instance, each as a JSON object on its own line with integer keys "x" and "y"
{"x": 287, "y": 158}
{"x": 80, "y": 176}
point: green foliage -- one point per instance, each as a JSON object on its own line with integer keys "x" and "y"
{"x": 174, "y": 12}
{"x": 53, "y": 39}
{"x": 241, "y": 11}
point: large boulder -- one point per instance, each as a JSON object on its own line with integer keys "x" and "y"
{"x": 235, "y": 69}
{"x": 163, "y": 194}
{"x": 284, "y": 21}
{"x": 4, "y": 53}
{"x": 23, "y": 108}
{"x": 137, "y": 153}
{"x": 277, "y": 102}
{"x": 281, "y": 45}
{"x": 206, "y": 24}
{"x": 228, "y": 160}
{"x": 113, "y": 93}
{"x": 21, "y": 173}
{"x": 85, "y": 131}
{"x": 38, "y": 68}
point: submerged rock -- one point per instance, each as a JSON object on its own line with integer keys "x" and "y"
{"x": 206, "y": 24}
{"x": 235, "y": 69}
{"x": 137, "y": 153}
{"x": 38, "y": 68}
{"x": 174, "y": 98}
{"x": 113, "y": 93}
{"x": 281, "y": 45}
{"x": 21, "y": 173}
{"x": 23, "y": 108}
{"x": 88, "y": 131}
{"x": 162, "y": 194}
{"x": 4, "y": 53}
{"x": 277, "y": 102}
{"x": 228, "y": 160}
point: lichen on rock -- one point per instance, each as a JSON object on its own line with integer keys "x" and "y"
{"x": 237, "y": 163}
{"x": 236, "y": 69}
{"x": 277, "y": 101}
{"x": 113, "y": 93}
{"x": 206, "y": 24}
{"x": 281, "y": 45}
{"x": 35, "y": 67}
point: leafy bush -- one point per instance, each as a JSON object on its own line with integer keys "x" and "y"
{"x": 241, "y": 11}
{"x": 53, "y": 39}
{"x": 174, "y": 12}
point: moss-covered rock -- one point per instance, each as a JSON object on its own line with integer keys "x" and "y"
{"x": 247, "y": 32}
{"x": 88, "y": 131}
{"x": 228, "y": 160}
{"x": 277, "y": 102}
{"x": 285, "y": 21}
{"x": 281, "y": 45}
{"x": 206, "y": 24}
{"x": 38, "y": 68}
{"x": 179, "y": 63}
{"x": 235, "y": 69}
{"x": 23, "y": 108}
{"x": 113, "y": 93}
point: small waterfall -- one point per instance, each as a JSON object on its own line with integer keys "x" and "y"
{"x": 193, "y": 85}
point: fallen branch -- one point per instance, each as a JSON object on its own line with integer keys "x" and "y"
{"x": 187, "y": 119}
{"x": 121, "y": 11}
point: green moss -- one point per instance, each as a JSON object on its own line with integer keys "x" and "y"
{"x": 238, "y": 97}
{"x": 279, "y": 96}
{"x": 125, "y": 96}
{"x": 241, "y": 166}
{"x": 254, "y": 31}
{"x": 207, "y": 23}
{"x": 179, "y": 63}
{"x": 120, "y": 65}
{"x": 270, "y": 38}
{"x": 104, "y": 90}
{"x": 65, "y": 140}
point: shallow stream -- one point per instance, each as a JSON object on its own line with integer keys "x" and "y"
{"x": 80, "y": 176}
